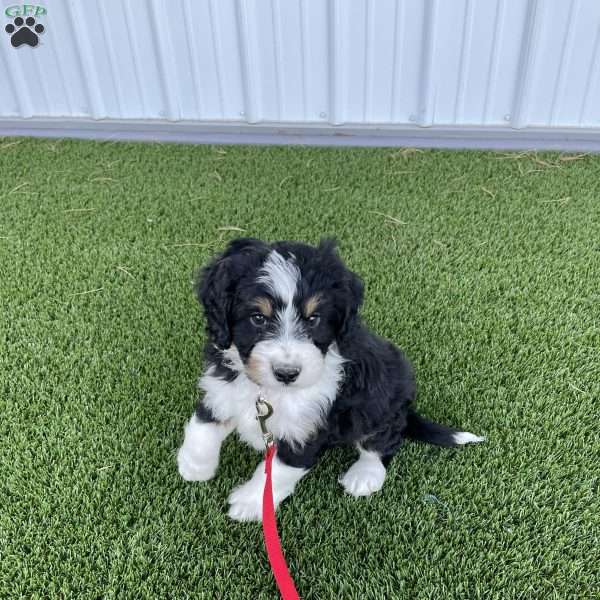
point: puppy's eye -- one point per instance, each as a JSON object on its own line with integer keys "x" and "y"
{"x": 258, "y": 320}
{"x": 313, "y": 320}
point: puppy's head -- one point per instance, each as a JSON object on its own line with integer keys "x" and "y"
{"x": 276, "y": 310}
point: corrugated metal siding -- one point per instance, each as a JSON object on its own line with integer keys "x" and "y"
{"x": 325, "y": 62}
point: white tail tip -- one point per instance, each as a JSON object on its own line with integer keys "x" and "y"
{"x": 464, "y": 437}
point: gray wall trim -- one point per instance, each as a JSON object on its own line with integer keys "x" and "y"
{"x": 495, "y": 138}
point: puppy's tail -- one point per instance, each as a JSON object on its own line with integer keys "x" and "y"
{"x": 423, "y": 430}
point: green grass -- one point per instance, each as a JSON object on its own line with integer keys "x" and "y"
{"x": 486, "y": 271}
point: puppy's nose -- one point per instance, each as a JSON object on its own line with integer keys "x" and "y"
{"x": 286, "y": 373}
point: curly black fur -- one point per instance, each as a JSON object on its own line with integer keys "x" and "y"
{"x": 373, "y": 406}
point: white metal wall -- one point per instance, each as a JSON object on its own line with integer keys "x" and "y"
{"x": 379, "y": 63}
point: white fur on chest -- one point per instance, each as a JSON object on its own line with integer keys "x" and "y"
{"x": 297, "y": 412}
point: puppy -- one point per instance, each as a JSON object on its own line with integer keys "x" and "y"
{"x": 283, "y": 319}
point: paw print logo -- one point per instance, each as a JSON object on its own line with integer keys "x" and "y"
{"x": 24, "y": 32}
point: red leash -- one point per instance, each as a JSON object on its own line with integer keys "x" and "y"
{"x": 284, "y": 580}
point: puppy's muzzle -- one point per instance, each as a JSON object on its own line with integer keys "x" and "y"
{"x": 286, "y": 374}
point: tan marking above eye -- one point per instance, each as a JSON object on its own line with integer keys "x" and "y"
{"x": 263, "y": 305}
{"x": 311, "y": 305}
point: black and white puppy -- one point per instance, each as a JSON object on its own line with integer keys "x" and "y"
{"x": 283, "y": 318}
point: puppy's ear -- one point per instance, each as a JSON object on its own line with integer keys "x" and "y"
{"x": 215, "y": 292}
{"x": 354, "y": 293}
{"x": 327, "y": 246}
{"x": 217, "y": 286}
{"x": 349, "y": 286}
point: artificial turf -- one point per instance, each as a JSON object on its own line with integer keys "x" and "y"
{"x": 484, "y": 267}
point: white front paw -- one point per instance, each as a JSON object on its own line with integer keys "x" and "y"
{"x": 363, "y": 479}
{"x": 245, "y": 502}
{"x": 193, "y": 468}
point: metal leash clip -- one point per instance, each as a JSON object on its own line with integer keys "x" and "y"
{"x": 264, "y": 410}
